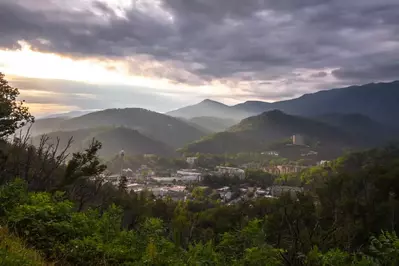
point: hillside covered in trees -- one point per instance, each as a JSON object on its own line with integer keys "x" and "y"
{"x": 59, "y": 212}
{"x": 258, "y": 132}
{"x": 375, "y": 100}
{"x": 168, "y": 130}
{"x": 114, "y": 140}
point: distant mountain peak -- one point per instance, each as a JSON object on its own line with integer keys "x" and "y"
{"x": 209, "y": 101}
{"x": 209, "y": 108}
{"x": 256, "y": 102}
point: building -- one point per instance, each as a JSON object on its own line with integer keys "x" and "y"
{"x": 113, "y": 179}
{"x": 310, "y": 153}
{"x": 284, "y": 169}
{"x": 127, "y": 172}
{"x": 298, "y": 140}
{"x": 191, "y": 160}
{"x": 189, "y": 174}
{"x": 271, "y": 153}
{"x": 176, "y": 179}
{"x": 174, "y": 192}
{"x": 323, "y": 163}
{"x": 231, "y": 171}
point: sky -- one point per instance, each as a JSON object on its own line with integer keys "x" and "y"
{"x": 164, "y": 54}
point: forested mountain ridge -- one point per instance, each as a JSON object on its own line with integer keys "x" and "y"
{"x": 210, "y": 108}
{"x": 114, "y": 139}
{"x": 257, "y": 132}
{"x": 361, "y": 126}
{"x": 375, "y": 100}
{"x": 379, "y": 101}
{"x": 169, "y": 130}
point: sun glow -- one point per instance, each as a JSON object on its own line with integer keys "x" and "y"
{"x": 33, "y": 64}
{"x": 29, "y": 63}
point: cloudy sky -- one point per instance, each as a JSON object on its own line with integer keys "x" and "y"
{"x": 163, "y": 54}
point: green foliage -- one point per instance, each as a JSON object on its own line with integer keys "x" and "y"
{"x": 113, "y": 139}
{"x": 67, "y": 213}
{"x": 163, "y": 128}
{"x": 384, "y": 249}
{"x": 84, "y": 164}
{"x": 13, "y": 114}
{"x": 14, "y": 253}
{"x": 12, "y": 195}
{"x": 257, "y": 133}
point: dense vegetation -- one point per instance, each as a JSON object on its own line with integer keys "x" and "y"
{"x": 375, "y": 100}
{"x": 337, "y": 221}
{"x": 361, "y": 126}
{"x": 166, "y": 129}
{"x": 257, "y": 133}
{"x": 209, "y": 108}
{"x": 65, "y": 213}
{"x": 114, "y": 140}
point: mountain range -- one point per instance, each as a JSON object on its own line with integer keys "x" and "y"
{"x": 257, "y": 133}
{"x": 210, "y": 108}
{"x": 172, "y": 131}
{"x": 378, "y": 101}
{"x": 113, "y": 141}
{"x": 353, "y": 117}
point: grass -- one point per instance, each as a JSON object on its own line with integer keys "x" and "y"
{"x": 13, "y": 251}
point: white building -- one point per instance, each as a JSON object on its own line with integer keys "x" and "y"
{"x": 298, "y": 140}
{"x": 231, "y": 171}
{"x": 127, "y": 172}
{"x": 191, "y": 160}
{"x": 310, "y": 153}
{"x": 189, "y": 174}
{"x": 271, "y": 153}
{"x": 176, "y": 179}
{"x": 323, "y": 163}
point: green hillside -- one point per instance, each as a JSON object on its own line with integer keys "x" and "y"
{"x": 358, "y": 125}
{"x": 379, "y": 101}
{"x": 113, "y": 140}
{"x": 258, "y": 132}
{"x": 166, "y": 129}
{"x": 213, "y": 124}
{"x": 210, "y": 108}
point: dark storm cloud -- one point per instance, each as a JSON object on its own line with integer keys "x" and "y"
{"x": 369, "y": 72}
{"x": 320, "y": 74}
{"x": 203, "y": 40}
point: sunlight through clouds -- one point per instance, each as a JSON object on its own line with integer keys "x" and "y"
{"x": 229, "y": 50}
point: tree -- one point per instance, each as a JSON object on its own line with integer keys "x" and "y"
{"x": 122, "y": 186}
{"x": 84, "y": 175}
{"x": 13, "y": 113}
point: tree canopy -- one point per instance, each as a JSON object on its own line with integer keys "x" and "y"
{"x": 13, "y": 113}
